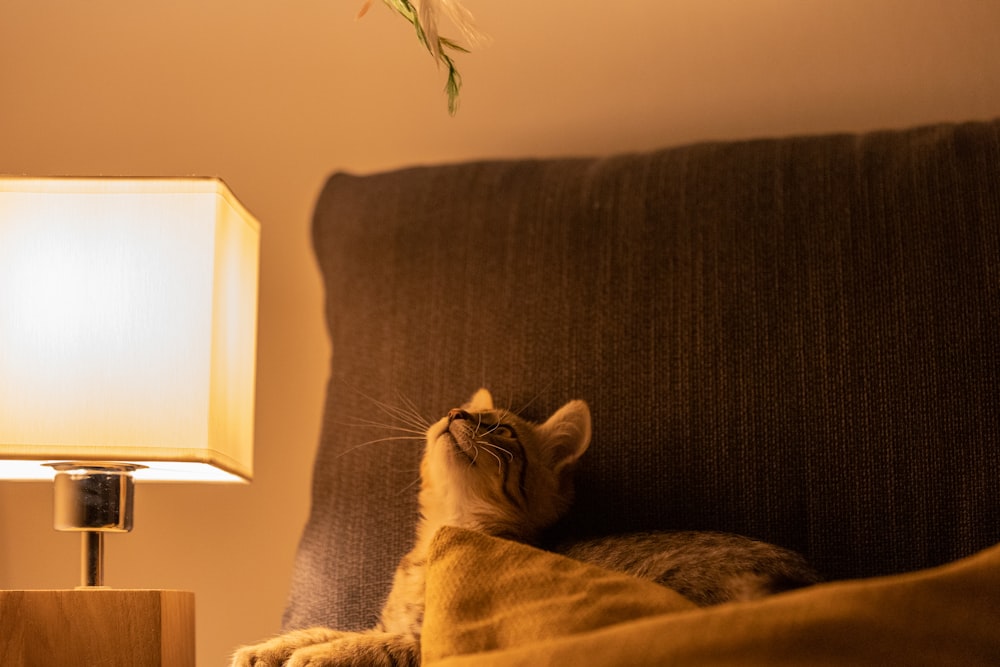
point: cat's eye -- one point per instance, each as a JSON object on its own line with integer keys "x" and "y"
{"x": 502, "y": 431}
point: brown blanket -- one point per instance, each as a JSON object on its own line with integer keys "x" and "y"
{"x": 492, "y": 602}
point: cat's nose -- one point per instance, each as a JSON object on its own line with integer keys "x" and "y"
{"x": 457, "y": 413}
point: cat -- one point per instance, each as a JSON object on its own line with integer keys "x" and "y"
{"x": 491, "y": 471}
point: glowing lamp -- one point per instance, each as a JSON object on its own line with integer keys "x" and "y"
{"x": 128, "y": 312}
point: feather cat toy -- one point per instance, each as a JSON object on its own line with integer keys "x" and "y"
{"x": 423, "y": 15}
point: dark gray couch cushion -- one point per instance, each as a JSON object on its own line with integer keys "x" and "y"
{"x": 794, "y": 339}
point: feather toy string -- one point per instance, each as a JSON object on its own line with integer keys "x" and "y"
{"x": 423, "y": 16}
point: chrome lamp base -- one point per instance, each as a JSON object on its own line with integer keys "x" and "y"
{"x": 93, "y": 498}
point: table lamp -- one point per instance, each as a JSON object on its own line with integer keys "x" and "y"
{"x": 128, "y": 311}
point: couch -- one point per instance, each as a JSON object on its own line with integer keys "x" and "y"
{"x": 795, "y": 339}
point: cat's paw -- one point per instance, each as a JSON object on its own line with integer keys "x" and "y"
{"x": 276, "y": 652}
{"x": 363, "y": 649}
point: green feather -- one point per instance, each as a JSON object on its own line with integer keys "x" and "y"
{"x": 454, "y": 83}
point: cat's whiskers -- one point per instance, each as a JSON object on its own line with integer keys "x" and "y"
{"x": 410, "y": 422}
{"x": 491, "y": 429}
{"x": 411, "y": 427}
{"x": 376, "y": 441}
{"x": 523, "y": 408}
{"x": 474, "y": 457}
{"x": 411, "y": 413}
{"x": 492, "y": 445}
{"x": 504, "y": 416}
{"x": 407, "y": 413}
{"x": 489, "y": 451}
{"x": 416, "y": 429}
{"x": 409, "y": 486}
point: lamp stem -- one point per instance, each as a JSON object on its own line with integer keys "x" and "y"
{"x": 91, "y": 558}
{"x": 93, "y": 498}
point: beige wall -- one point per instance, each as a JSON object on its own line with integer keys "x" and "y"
{"x": 272, "y": 96}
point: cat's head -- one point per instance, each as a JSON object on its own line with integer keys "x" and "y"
{"x": 489, "y": 470}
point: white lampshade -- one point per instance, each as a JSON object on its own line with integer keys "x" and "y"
{"x": 128, "y": 312}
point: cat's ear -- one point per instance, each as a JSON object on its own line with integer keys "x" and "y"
{"x": 567, "y": 435}
{"x": 481, "y": 401}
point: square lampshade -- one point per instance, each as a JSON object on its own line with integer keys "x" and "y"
{"x": 128, "y": 313}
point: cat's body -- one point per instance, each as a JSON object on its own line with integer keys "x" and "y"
{"x": 490, "y": 471}
{"x": 708, "y": 568}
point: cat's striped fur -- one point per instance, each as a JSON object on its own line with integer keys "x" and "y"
{"x": 488, "y": 470}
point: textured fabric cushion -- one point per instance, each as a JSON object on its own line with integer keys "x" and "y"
{"x": 795, "y": 339}
{"x": 537, "y": 608}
